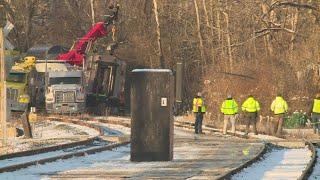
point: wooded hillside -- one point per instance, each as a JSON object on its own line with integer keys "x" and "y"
{"x": 227, "y": 46}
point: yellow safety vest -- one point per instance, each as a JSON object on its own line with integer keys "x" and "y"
{"x": 229, "y": 107}
{"x": 316, "y": 106}
{"x": 251, "y": 105}
{"x": 279, "y": 105}
{"x": 198, "y": 102}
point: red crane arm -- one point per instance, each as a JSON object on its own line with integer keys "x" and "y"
{"x": 76, "y": 55}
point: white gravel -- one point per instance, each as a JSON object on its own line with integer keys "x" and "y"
{"x": 277, "y": 164}
{"x": 316, "y": 170}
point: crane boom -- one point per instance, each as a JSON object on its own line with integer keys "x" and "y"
{"x": 77, "y": 54}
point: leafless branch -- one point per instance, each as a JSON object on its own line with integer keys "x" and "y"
{"x": 277, "y": 4}
{"x": 275, "y": 29}
{"x": 297, "y": 5}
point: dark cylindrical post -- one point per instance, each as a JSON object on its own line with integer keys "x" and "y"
{"x": 179, "y": 86}
{"x": 152, "y": 98}
{"x": 179, "y": 76}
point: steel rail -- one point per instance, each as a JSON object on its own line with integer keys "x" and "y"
{"x": 59, "y": 147}
{"x": 64, "y": 156}
{"x": 309, "y": 169}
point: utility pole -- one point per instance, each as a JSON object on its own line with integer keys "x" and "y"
{"x": 3, "y": 92}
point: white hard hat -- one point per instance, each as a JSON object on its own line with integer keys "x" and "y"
{"x": 199, "y": 94}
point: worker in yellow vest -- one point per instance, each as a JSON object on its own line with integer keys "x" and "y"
{"x": 316, "y": 114}
{"x": 198, "y": 109}
{"x": 279, "y": 107}
{"x": 250, "y": 107}
{"x": 229, "y": 109}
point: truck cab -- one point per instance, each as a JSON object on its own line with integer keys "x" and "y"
{"x": 17, "y": 91}
{"x": 20, "y": 80}
{"x": 65, "y": 92}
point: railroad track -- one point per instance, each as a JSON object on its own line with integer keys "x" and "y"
{"x": 304, "y": 169}
{"x": 13, "y": 164}
{"x": 295, "y": 163}
{"x": 26, "y": 159}
{"x": 15, "y": 161}
{"x": 316, "y": 168}
{"x": 278, "y": 163}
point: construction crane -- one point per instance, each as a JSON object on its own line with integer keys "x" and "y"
{"x": 76, "y": 55}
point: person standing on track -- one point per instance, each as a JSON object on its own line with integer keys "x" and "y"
{"x": 279, "y": 107}
{"x": 229, "y": 109}
{"x": 198, "y": 109}
{"x": 315, "y": 115}
{"x": 250, "y": 107}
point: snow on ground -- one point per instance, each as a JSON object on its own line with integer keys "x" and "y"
{"x": 24, "y": 159}
{"x": 278, "y": 164}
{"x": 264, "y": 137}
{"x": 43, "y": 171}
{"x": 110, "y": 160}
{"x": 190, "y": 158}
{"x": 117, "y": 129}
{"x": 49, "y": 133}
{"x": 111, "y": 129}
{"x": 119, "y": 118}
{"x": 61, "y": 130}
{"x": 316, "y": 170}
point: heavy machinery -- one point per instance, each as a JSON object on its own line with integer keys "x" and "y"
{"x": 20, "y": 85}
{"x": 60, "y": 85}
{"x": 63, "y": 87}
{"x": 105, "y": 80}
{"x": 76, "y": 56}
{"x": 105, "y": 74}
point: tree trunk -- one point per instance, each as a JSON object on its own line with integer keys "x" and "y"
{"x": 92, "y": 11}
{"x": 254, "y": 46}
{"x": 218, "y": 24}
{"x": 226, "y": 15}
{"x": 211, "y": 27}
{"x": 203, "y": 61}
{"x": 294, "y": 23}
{"x": 3, "y": 99}
{"x": 268, "y": 45}
{"x": 158, "y": 30}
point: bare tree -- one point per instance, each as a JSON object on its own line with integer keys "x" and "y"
{"x": 201, "y": 47}
{"x": 158, "y": 30}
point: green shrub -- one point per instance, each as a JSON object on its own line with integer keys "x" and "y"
{"x": 296, "y": 120}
